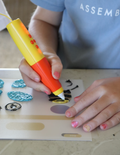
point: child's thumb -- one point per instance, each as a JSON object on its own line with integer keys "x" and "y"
{"x": 57, "y": 69}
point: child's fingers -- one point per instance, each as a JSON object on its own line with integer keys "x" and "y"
{"x": 25, "y": 69}
{"x": 111, "y": 122}
{"x": 91, "y": 112}
{"x": 103, "y": 109}
{"x": 56, "y": 67}
{"x": 94, "y": 85}
{"x": 102, "y": 117}
{"x": 56, "y": 70}
{"x": 36, "y": 85}
{"x": 31, "y": 78}
{"x": 85, "y": 101}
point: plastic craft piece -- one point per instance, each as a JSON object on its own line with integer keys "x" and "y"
{"x": 19, "y": 84}
{"x": 13, "y": 106}
{"x": 1, "y": 83}
{"x": 0, "y": 92}
{"x": 19, "y": 96}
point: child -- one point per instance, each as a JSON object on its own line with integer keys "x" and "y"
{"x": 84, "y": 34}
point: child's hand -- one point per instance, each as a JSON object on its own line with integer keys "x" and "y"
{"x": 102, "y": 103}
{"x": 32, "y": 79}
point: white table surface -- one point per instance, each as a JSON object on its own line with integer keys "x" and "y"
{"x": 103, "y": 142}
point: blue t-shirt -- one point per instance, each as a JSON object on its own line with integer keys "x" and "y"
{"x": 89, "y": 34}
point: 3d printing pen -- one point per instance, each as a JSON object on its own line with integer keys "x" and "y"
{"x": 34, "y": 56}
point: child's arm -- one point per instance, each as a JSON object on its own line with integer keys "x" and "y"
{"x": 102, "y": 100}
{"x": 44, "y": 29}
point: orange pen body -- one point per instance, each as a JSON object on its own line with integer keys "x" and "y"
{"x": 44, "y": 70}
{"x": 33, "y": 55}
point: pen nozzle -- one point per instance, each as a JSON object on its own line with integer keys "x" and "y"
{"x": 62, "y": 96}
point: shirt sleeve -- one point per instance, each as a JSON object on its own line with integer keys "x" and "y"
{"x": 53, "y": 5}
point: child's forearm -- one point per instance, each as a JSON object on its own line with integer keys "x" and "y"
{"x": 45, "y": 35}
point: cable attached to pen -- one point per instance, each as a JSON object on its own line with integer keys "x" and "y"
{"x": 6, "y": 16}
